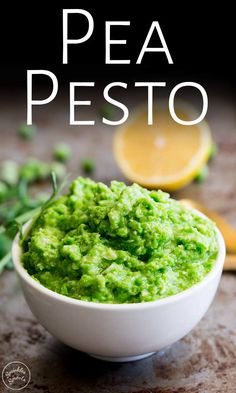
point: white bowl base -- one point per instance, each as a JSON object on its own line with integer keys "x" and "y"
{"x": 122, "y": 358}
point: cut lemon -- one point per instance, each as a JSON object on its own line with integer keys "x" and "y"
{"x": 166, "y": 154}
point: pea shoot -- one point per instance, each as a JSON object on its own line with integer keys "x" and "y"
{"x": 16, "y": 204}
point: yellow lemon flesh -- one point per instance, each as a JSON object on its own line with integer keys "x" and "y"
{"x": 166, "y": 154}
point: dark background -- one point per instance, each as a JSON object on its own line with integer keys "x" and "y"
{"x": 199, "y": 38}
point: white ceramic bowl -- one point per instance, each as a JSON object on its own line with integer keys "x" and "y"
{"x": 119, "y": 332}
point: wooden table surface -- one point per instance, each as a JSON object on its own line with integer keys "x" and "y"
{"x": 205, "y": 360}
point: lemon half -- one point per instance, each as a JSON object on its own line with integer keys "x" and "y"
{"x": 166, "y": 154}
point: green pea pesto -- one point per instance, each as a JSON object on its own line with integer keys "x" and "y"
{"x": 119, "y": 244}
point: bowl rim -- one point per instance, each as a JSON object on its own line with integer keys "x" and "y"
{"x": 26, "y": 277}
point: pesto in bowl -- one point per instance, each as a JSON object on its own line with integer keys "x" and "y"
{"x": 118, "y": 244}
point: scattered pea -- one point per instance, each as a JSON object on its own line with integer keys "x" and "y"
{"x": 62, "y": 152}
{"x": 34, "y": 170}
{"x": 213, "y": 150}
{"x": 107, "y": 111}
{"x": 58, "y": 168}
{"x": 9, "y": 172}
{"x": 3, "y": 191}
{"x": 88, "y": 165}
{"x": 27, "y": 131}
{"x": 202, "y": 175}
